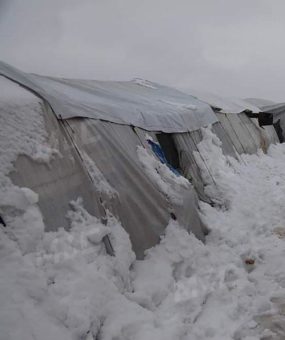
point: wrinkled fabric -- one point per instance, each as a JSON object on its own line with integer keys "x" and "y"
{"x": 122, "y": 188}
{"x": 152, "y": 107}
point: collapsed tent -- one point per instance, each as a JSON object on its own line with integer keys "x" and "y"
{"x": 107, "y": 161}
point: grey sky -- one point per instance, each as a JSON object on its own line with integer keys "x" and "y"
{"x": 229, "y": 47}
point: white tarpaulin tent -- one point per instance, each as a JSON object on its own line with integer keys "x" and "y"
{"x": 98, "y": 159}
{"x": 107, "y": 161}
{"x": 149, "y": 106}
{"x": 245, "y": 133}
{"x": 225, "y": 104}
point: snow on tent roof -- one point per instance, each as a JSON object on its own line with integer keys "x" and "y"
{"x": 225, "y": 104}
{"x": 139, "y": 103}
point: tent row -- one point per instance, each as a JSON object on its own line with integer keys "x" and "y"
{"x": 129, "y": 148}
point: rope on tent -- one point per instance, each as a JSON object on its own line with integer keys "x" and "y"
{"x": 66, "y": 126}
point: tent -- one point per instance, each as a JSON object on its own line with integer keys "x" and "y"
{"x": 105, "y": 132}
{"x": 244, "y": 122}
{"x": 98, "y": 128}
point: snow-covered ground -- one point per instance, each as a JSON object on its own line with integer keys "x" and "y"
{"x": 63, "y": 285}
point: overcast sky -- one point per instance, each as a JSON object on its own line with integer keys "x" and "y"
{"x": 229, "y": 47}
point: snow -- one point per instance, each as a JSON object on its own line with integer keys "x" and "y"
{"x": 144, "y": 83}
{"x": 161, "y": 176}
{"x": 63, "y": 285}
{"x": 22, "y": 129}
{"x": 97, "y": 177}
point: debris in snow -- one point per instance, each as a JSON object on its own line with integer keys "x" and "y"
{"x": 249, "y": 261}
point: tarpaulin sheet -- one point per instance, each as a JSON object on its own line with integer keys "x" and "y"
{"x": 140, "y": 205}
{"x": 142, "y": 104}
{"x": 225, "y": 104}
{"x": 98, "y": 162}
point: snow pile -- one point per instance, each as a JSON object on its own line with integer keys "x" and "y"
{"x": 63, "y": 285}
{"x": 22, "y": 129}
{"x": 248, "y": 231}
{"x": 161, "y": 176}
{"x": 59, "y": 285}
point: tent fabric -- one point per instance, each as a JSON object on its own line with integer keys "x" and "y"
{"x": 186, "y": 144}
{"x": 142, "y": 207}
{"x": 246, "y": 135}
{"x": 146, "y": 105}
{"x": 98, "y": 161}
{"x": 278, "y": 112}
{"x": 60, "y": 181}
{"x": 259, "y": 102}
{"x": 225, "y": 104}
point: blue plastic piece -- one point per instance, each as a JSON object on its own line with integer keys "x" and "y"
{"x": 157, "y": 150}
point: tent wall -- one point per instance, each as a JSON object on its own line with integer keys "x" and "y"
{"x": 245, "y": 133}
{"x": 268, "y": 134}
{"x": 59, "y": 181}
{"x": 278, "y": 112}
{"x": 119, "y": 185}
{"x": 141, "y": 207}
{"x": 186, "y": 144}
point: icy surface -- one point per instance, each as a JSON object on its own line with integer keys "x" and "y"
{"x": 63, "y": 285}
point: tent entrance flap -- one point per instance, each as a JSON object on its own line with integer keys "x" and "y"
{"x": 170, "y": 151}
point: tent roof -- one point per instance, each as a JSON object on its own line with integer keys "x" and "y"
{"x": 275, "y": 109}
{"x": 259, "y": 102}
{"x": 225, "y": 104}
{"x": 139, "y": 103}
